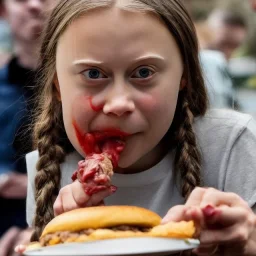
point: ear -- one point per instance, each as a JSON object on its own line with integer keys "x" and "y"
{"x": 183, "y": 83}
{"x": 57, "y": 86}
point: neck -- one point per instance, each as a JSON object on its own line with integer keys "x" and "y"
{"x": 27, "y": 54}
{"x": 155, "y": 156}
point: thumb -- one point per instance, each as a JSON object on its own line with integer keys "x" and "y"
{"x": 20, "y": 249}
{"x": 175, "y": 214}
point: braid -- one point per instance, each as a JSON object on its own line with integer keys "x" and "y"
{"x": 51, "y": 154}
{"x": 188, "y": 158}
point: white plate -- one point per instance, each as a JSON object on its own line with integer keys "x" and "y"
{"x": 123, "y": 246}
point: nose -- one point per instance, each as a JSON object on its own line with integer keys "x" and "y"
{"x": 119, "y": 101}
{"x": 36, "y": 6}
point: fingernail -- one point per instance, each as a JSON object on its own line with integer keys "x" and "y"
{"x": 209, "y": 211}
{"x": 20, "y": 248}
{"x": 113, "y": 189}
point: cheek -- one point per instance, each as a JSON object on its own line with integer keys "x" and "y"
{"x": 77, "y": 115}
{"x": 148, "y": 102}
{"x": 158, "y": 105}
{"x": 83, "y": 111}
{"x": 159, "y": 109}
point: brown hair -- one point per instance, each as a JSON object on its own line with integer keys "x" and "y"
{"x": 192, "y": 100}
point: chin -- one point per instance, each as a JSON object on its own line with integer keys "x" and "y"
{"x": 126, "y": 162}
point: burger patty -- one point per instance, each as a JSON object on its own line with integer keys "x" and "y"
{"x": 67, "y": 236}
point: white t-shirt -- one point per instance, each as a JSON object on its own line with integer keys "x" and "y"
{"x": 227, "y": 141}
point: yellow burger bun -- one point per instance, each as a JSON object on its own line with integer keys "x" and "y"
{"x": 110, "y": 222}
{"x": 101, "y": 217}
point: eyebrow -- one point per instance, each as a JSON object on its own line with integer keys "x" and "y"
{"x": 87, "y": 61}
{"x": 91, "y": 61}
{"x": 150, "y": 57}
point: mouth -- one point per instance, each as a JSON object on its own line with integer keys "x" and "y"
{"x": 107, "y": 141}
{"x": 101, "y": 140}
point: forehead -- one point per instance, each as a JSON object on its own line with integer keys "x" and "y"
{"x": 107, "y": 32}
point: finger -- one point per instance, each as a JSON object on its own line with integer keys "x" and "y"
{"x": 69, "y": 203}
{"x": 8, "y": 239}
{"x": 182, "y": 212}
{"x": 195, "y": 214}
{"x": 196, "y": 196}
{"x": 97, "y": 198}
{"x": 215, "y": 197}
{"x": 227, "y": 216}
{"x": 235, "y": 233}
{"x": 176, "y": 213}
{"x": 78, "y": 193}
{"x": 206, "y": 250}
{"x": 101, "y": 203}
{"x": 20, "y": 248}
{"x": 57, "y": 206}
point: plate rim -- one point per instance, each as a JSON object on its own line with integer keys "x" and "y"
{"x": 191, "y": 242}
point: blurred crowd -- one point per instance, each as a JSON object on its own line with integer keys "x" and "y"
{"x": 227, "y": 40}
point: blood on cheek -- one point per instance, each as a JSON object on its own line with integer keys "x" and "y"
{"x": 83, "y": 110}
{"x": 95, "y": 107}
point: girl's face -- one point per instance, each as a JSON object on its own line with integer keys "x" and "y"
{"x": 120, "y": 70}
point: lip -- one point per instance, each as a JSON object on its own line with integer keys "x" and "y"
{"x": 109, "y": 133}
{"x": 94, "y": 140}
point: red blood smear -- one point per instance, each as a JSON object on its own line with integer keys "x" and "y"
{"x": 95, "y": 108}
{"x": 74, "y": 176}
{"x": 90, "y": 190}
{"x": 109, "y": 141}
{"x": 101, "y": 179}
{"x": 88, "y": 174}
{"x": 113, "y": 188}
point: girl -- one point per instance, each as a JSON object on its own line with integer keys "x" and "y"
{"x": 133, "y": 66}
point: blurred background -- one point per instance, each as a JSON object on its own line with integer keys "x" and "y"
{"x": 228, "y": 28}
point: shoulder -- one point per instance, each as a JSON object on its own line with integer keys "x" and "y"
{"x": 31, "y": 160}
{"x": 218, "y": 131}
{"x": 32, "y": 156}
{"x": 225, "y": 120}
{"x": 67, "y": 167}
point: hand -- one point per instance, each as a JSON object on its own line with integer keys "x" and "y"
{"x": 20, "y": 249}
{"x": 22, "y": 240}
{"x": 13, "y": 237}
{"x": 228, "y": 225}
{"x": 7, "y": 240}
{"x": 73, "y": 196}
{"x": 15, "y": 186}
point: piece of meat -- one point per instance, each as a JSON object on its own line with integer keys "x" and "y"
{"x": 67, "y": 235}
{"x": 97, "y": 169}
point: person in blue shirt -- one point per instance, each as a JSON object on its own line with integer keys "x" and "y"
{"x": 17, "y": 82}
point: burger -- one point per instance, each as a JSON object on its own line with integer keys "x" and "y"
{"x": 111, "y": 222}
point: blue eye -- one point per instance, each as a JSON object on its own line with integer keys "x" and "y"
{"x": 143, "y": 73}
{"x": 93, "y": 74}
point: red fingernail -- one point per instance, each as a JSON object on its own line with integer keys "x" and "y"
{"x": 113, "y": 189}
{"x": 209, "y": 211}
